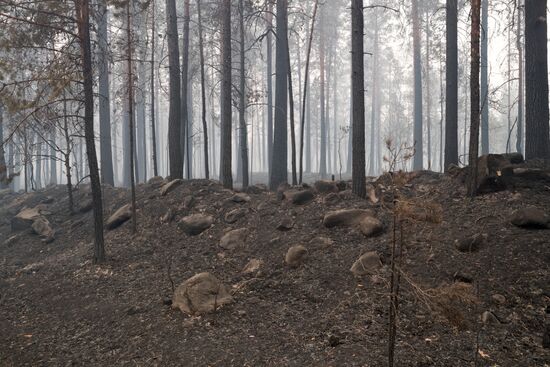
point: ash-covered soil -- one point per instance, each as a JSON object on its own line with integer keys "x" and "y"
{"x": 59, "y": 309}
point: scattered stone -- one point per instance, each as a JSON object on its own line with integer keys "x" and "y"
{"x": 530, "y": 217}
{"x": 189, "y": 202}
{"x": 301, "y": 197}
{"x": 169, "y": 216}
{"x": 42, "y": 227}
{"x": 156, "y": 181}
{"x": 332, "y": 198}
{"x": 346, "y": 217}
{"x": 164, "y": 190}
{"x": 472, "y": 243}
{"x": 460, "y": 277}
{"x": 200, "y": 294}
{"x": 24, "y": 219}
{"x": 325, "y": 187}
{"x": 498, "y": 298}
{"x": 256, "y": 189}
{"x": 367, "y": 264}
{"x": 295, "y": 255}
{"x": 240, "y": 198}
{"x": 167, "y": 301}
{"x": 370, "y": 226}
{"x": 253, "y": 266}
{"x": 195, "y": 224}
{"x": 235, "y": 214}
{"x": 286, "y": 224}
{"x": 234, "y": 239}
{"x": 489, "y": 318}
{"x": 121, "y": 216}
{"x": 321, "y": 242}
{"x": 281, "y": 191}
{"x": 48, "y": 200}
{"x": 334, "y": 340}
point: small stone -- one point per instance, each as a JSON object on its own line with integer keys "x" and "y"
{"x": 253, "y": 266}
{"x": 321, "y": 242}
{"x": 234, "y": 239}
{"x": 200, "y": 294}
{"x": 530, "y": 217}
{"x": 498, "y": 298}
{"x": 167, "y": 301}
{"x": 367, "y": 264}
{"x": 240, "y": 198}
{"x": 301, "y": 197}
{"x": 164, "y": 190}
{"x": 42, "y": 227}
{"x": 346, "y": 217}
{"x": 332, "y": 198}
{"x": 295, "y": 255}
{"x": 236, "y": 214}
{"x": 370, "y": 226}
{"x": 324, "y": 187}
{"x": 121, "y": 216}
{"x": 489, "y": 318}
{"x": 286, "y": 224}
{"x": 194, "y": 225}
{"x": 189, "y": 202}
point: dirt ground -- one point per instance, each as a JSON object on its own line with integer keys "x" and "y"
{"x": 58, "y": 309}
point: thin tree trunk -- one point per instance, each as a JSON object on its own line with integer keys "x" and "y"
{"x": 451, "y": 100}
{"x": 305, "y": 95}
{"x": 83, "y": 24}
{"x": 184, "y": 90}
{"x": 475, "y": 116}
{"x": 269, "y": 46}
{"x": 520, "y": 136}
{"x": 242, "y": 101}
{"x": 3, "y": 165}
{"x": 131, "y": 113}
{"x": 322, "y": 102}
{"x": 484, "y": 77}
{"x": 203, "y": 93}
{"x": 373, "y": 117}
{"x": 428, "y": 94}
{"x": 291, "y": 108}
{"x": 153, "y": 92}
{"x": 418, "y": 163}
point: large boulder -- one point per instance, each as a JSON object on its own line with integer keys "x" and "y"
{"x": 530, "y": 217}
{"x": 165, "y": 189}
{"x": 234, "y": 239}
{"x": 300, "y": 197}
{"x": 370, "y": 226}
{"x": 121, "y": 216}
{"x": 195, "y": 224}
{"x": 345, "y": 217}
{"x": 24, "y": 219}
{"x": 367, "y": 264}
{"x": 201, "y": 294}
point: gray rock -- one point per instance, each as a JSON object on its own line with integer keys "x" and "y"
{"x": 530, "y": 217}
{"x": 201, "y": 294}
{"x": 367, "y": 264}
{"x": 295, "y": 255}
{"x": 472, "y": 243}
{"x": 42, "y": 227}
{"x": 164, "y": 190}
{"x": 234, "y": 239}
{"x": 195, "y": 224}
{"x": 235, "y": 214}
{"x": 121, "y": 216}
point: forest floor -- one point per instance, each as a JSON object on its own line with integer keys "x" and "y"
{"x": 58, "y": 309}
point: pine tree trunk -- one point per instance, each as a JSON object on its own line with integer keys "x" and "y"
{"x": 185, "y": 131}
{"x": 174, "y": 114}
{"x": 451, "y": 100}
{"x": 418, "y": 159}
{"x": 83, "y": 24}
{"x": 484, "y": 77}
{"x": 357, "y": 26}
{"x": 269, "y": 46}
{"x": 279, "y": 164}
{"x": 475, "y": 116}
{"x": 243, "y": 133}
{"x": 520, "y": 147}
{"x": 153, "y": 93}
{"x": 3, "y": 165}
{"x": 537, "y": 140}
{"x": 203, "y": 93}
{"x": 226, "y": 125}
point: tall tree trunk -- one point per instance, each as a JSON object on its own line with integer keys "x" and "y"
{"x": 451, "y": 100}
{"x": 322, "y": 101}
{"x": 373, "y": 117}
{"x": 184, "y": 90}
{"x": 131, "y": 112}
{"x": 226, "y": 151}
{"x": 203, "y": 93}
{"x": 428, "y": 94}
{"x": 243, "y": 133}
{"x": 537, "y": 140}
{"x": 106, "y": 153}
{"x": 484, "y": 77}
{"x": 521, "y": 77}
{"x": 174, "y": 114}
{"x": 269, "y": 46}
{"x": 279, "y": 164}
{"x": 3, "y": 165}
{"x": 292, "y": 126}
{"x": 67, "y": 156}
{"x": 305, "y": 104}
{"x": 473, "y": 152}
{"x": 418, "y": 163}
{"x": 153, "y": 92}
{"x": 53, "y": 159}
{"x": 357, "y": 66}
{"x": 83, "y": 24}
